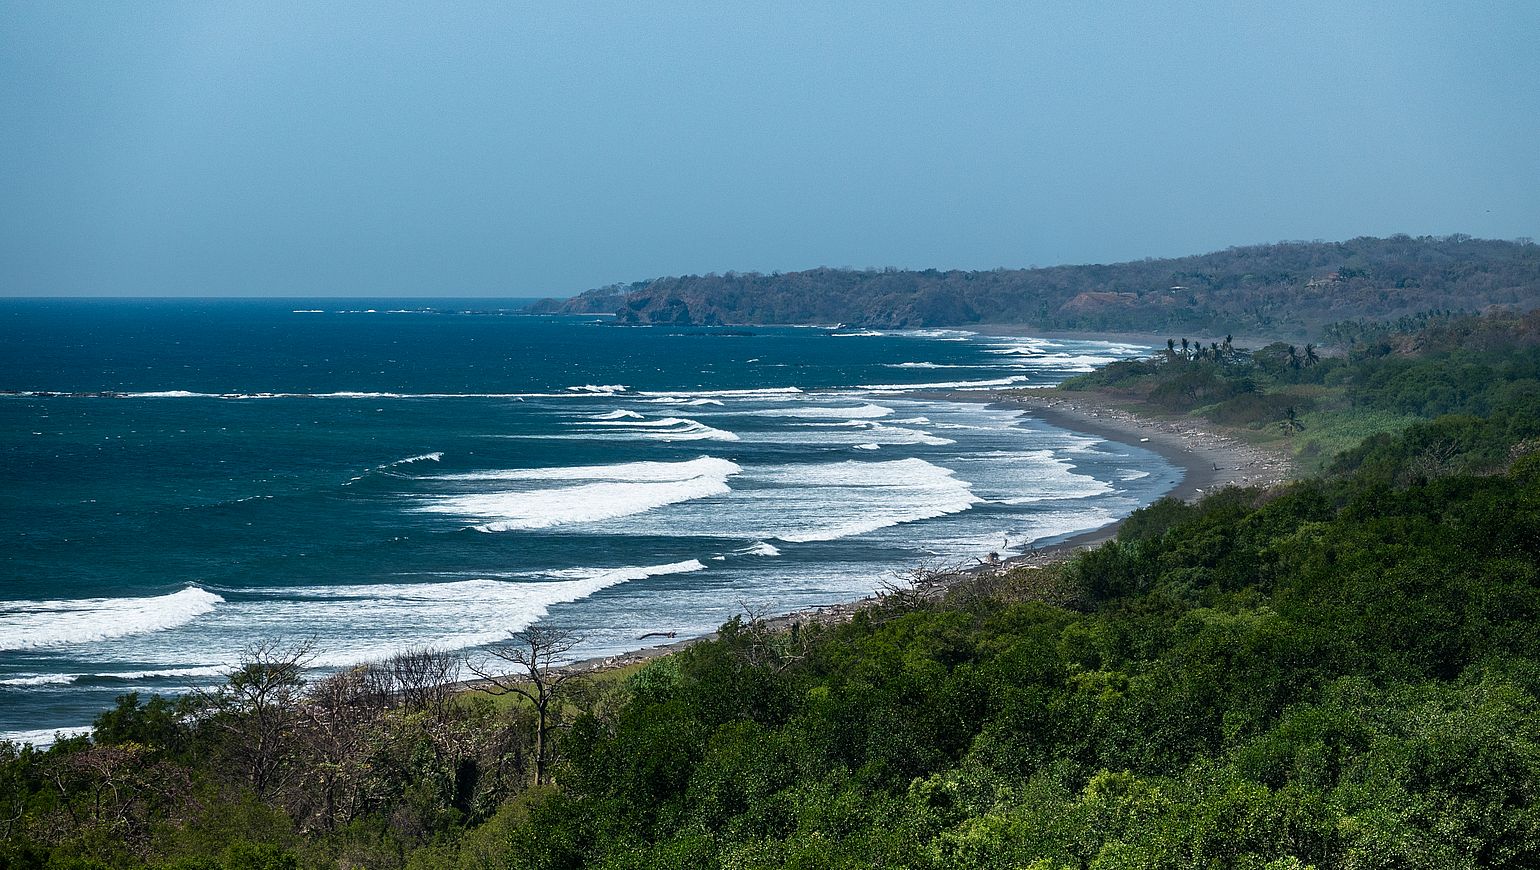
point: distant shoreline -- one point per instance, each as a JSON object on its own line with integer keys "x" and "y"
{"x": 1153, "y": 339}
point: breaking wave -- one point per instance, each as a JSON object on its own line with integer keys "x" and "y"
{"x": 87, "y": 620}
{"x": 866, "y": 411}
{"x": 760, "y": 548}
{"x": 156, "y": 673}
{"x": 661, "y": 429}
{"x": 948, "y": 385}
{"x": 425, "y": 457}
{"x": 43, "y": 738}
{"x": 455, "y": 615}
{"x": 739, "y": 394}
{"x": 828, "y": 501}
{"x": 617, "y": 491}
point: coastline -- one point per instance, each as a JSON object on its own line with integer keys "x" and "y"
{"x": 1153, "y": 339}
{"x": 1208, "y": 459}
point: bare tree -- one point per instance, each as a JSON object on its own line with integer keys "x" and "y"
{"x": 423, "y": 678}
{"x": 259, "y": 707}
{"x": 533, "y": 653}
{"x": 341, "y": 711}
{"x": 1435, "y": 460}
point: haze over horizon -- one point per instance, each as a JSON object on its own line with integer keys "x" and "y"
{"x": 282, "y": 149}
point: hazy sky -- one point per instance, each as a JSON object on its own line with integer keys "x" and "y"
{"x": 210, "y": 148}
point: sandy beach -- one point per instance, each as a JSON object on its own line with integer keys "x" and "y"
{"x": 1209, "y": 459}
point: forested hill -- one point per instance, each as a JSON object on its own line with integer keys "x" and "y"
{"x": 1290, "y": 288}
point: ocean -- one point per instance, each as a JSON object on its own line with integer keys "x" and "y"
{"x": 184, "y": 478}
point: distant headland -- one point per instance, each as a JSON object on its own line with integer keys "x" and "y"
{"x": 1279, "y": 290}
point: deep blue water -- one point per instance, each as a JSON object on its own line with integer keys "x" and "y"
{"x": 179, "y": 479}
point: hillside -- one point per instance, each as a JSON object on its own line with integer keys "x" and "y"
{"x": 1386, "y": 378}
{"x": 1285, "y": 289}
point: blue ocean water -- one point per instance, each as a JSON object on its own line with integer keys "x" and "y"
{"x": 184, "y": 478}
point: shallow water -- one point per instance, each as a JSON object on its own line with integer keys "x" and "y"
{"x": 182, "y": 479}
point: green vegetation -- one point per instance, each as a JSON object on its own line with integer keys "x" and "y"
{"x": 1389, "y": 377}
{"x": 1342, "y": 673}
{"x": 1284, "y": 290}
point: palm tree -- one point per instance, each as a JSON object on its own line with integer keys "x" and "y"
{"x": 1170, "y": 348}
{"x": 1311, "y": 357}
{"x": 1185, "y": 355}
{"x": 1290, "y": 422}
{"x": 1293, "y": 357}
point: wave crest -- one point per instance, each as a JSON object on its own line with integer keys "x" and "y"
{"x": 618, "y": 491}
{"x": 57, "y": 623}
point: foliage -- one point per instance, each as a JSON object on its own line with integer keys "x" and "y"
{"x": 1486, "y": 367}
{"x": 1291, "y": 288}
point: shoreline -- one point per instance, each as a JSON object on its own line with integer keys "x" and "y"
{"x": 1207, "y": 458}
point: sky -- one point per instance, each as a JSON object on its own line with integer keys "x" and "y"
{"x": 540, "y": 149}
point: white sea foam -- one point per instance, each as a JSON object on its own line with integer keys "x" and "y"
{"x": 157, "y": 673}
{"x": 32, "y": 624}
{"x": 852, "y": 432}
{"x": 865, "y": 411}
{"x": 682, "y": 401}
{"x": 1037, "y": 358}
{"x": 453, "y": 615}
{"x": 931, "y": 365}
{"x": 644, "y": 487}
{"x": 1031, "y": 476}
{"x": 759, "y": 548}
{"x": 424, "y": 457}
{"x": 662, "y": 429}
{"x": 167, "y": 673}
{"x": 867, "y": 446}
{"x": 167, "y": 394}
{"x": 945, "y": 334}
{"x": 948, "y": 385}
{"x": 1132, "y": 474}
{"x": 42, "y": 738}
{"x": 604, "y": 389}
{"x": 638, "y": 421}
{"x": 1053, "y": 524}
{"x": 828, "y": 501}
{"x": 40, "y": 680}
{"x": 865, "y": 333}
{"x": 742, "y": 394}
{"x": 619, "y": 414}
{"x": 634, "y": 472}
{"x": 904, "y": 435}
